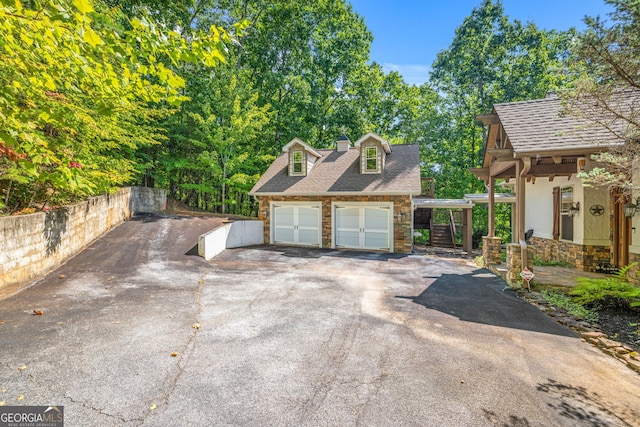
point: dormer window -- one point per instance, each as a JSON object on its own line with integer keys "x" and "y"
{"x": 297, "y": 162}
{"x": 371, "y": 159}
{"x": 373, "y": 152}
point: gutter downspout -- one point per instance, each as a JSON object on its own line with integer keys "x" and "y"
{"x": 522, "y": 178}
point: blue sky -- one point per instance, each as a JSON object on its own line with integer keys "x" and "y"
{"x": 408, "y": 34}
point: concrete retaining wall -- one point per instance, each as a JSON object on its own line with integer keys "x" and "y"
{"x": 230, "y": 235}
{"x": 31, "y": 245}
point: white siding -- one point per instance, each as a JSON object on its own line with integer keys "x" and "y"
{"x": 587, "y": 228}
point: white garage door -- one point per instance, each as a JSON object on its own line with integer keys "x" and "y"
{"x": 296, "y": 224}
{"x": 363, "y": 227}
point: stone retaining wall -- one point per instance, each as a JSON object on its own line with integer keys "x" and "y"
{"x": 514, "y": 262}
{"x": 34, "y": 244}
{"x": 583, "y": 257}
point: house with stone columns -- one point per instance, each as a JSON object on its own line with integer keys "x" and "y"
{"x": 356, "y": 196}
{"x": 537, "y": 149}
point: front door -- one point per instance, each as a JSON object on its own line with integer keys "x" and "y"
{"x": 621, "y": 230}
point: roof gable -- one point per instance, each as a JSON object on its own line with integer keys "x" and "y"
{"x": 541, "y": 125}
{"x": 385, "y": 144}
{"x": 304, "y": 145}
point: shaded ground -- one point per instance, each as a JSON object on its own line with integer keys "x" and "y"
{"x": 135, "y": 331}
{"x": 619, "y": 325}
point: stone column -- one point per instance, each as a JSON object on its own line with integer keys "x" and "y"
{"x": 514, "y": 262}
{"x": 491, "y": 250}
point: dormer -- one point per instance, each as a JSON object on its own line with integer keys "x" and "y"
{"x": 302, "y": 157}
{"x": 373, "y": 153}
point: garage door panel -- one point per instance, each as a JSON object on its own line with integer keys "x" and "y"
{"x": 284, "y": 235}
{"x": 308, "y": 217}
{"x": 375, "y": 240}
{"x": 284, "y": 216}
{"x": 308, "y": 237}
{"x": 376, "y": 219}
{"x": 348, "y": 218}
{"x": 348, "y": 238}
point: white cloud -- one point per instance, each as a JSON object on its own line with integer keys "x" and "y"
{"x": 413, "y": 74}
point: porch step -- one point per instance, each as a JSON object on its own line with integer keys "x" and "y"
{"x": 441, "y": 236}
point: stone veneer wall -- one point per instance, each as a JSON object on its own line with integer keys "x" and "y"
{"x": 36, "y": 243}
{"x": 491, "y": 250}
{"x": 402, "y": 237}
{"x": 514, "y": 262}
{"x": 633, "y": 275}
{"x": 583, "y": 257}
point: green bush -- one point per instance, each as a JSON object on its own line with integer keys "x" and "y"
{"x": 608, "y": 292}
{"x": 551, "y": 263}
{"x": 564, "y": 302}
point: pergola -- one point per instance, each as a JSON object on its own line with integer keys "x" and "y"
{"x": 466, "y": 205}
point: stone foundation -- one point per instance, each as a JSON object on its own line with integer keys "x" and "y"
{"x": 582, "y": 257}
{"x": 491, "y": 250}
{"x": 514, "y": 262}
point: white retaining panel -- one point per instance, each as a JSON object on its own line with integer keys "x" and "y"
{"x": 230, "y": 235}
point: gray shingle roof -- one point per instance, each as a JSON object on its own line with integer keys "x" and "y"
{"x": 339, "y": 173}
{"x": 539, "y": 125}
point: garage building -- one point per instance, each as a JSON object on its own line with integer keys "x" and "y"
{"x": 356, "y": 196}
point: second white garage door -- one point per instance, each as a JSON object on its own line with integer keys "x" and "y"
{"x": 363, "y": 226}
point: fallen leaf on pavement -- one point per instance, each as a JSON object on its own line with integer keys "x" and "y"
{"x": 22, "y": 368}
{"x": 174, "y": 354}
{"x": 153, "y": 407}
{"x": 62, "y": 276}
{"x": 37, "y": 313}
{"x": 2, "y": 403}
{"x": 21, "y": 397}
{"x": 2, "y": 322}
{"x": 196, "y": 326}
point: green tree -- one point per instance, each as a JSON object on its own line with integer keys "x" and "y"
{"x": 74, "y": 88}
{"x": 212, "y": 157}
{"x": 491, "y": 59}
{"x": 605, "y": 72}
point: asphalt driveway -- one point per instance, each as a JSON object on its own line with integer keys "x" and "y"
{"x": 136, "y": 330}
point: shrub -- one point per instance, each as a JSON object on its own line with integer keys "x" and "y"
{"x": 551, "y": 263}
{"x": 608, "y": 292}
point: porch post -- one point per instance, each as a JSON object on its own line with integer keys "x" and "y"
{"x": 513, "y": 223}
{"x": 467, "y": 225}
{"x": 522, "y": 168}
{"x": 519, "y": 203}
{"x": 492, "y": 207}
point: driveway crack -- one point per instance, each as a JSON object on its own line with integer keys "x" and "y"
{"x": 183, "y": 358}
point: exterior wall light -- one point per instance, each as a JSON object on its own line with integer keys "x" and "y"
{"x": 630, "y": 209}
{"x": 574, "y": 209}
